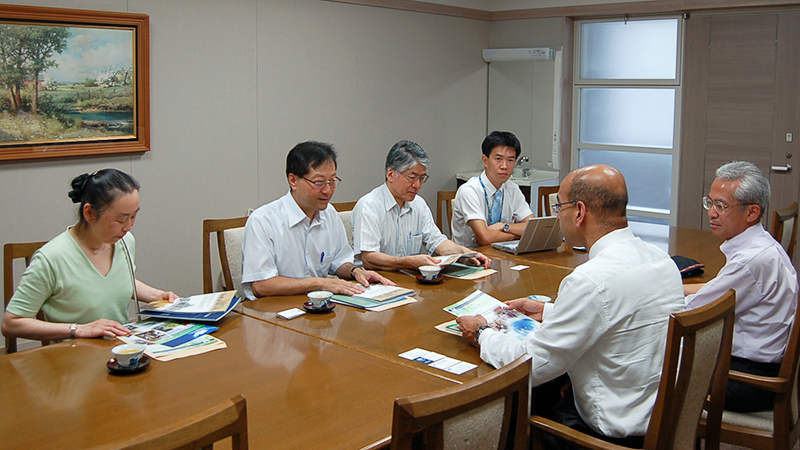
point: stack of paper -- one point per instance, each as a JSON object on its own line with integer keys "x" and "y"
{"x": 438, "y": 361}
{"x": 494, "y": 311}
{"x": 201, "y": 308}
{"x": 167, "y": 340}
{"x": 378, "y": 297}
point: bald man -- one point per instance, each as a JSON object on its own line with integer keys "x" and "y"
{"x": 608, "y": 327}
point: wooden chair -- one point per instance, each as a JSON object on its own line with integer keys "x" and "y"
{"x": 544, "y": 200}
{"x": 229, "y": 242}
{"x": 784, "y": 228}
{"x": 344, "y": 206}
{"x": 345, "y": 210}
{"x": 778, "y": 429}
{"x": 447, "y": 198}
{"x": 478, "y": 413}
{"x": 196, "y": 431}
{"x": 696, "y": 362}
{"x": 12, "y": 251}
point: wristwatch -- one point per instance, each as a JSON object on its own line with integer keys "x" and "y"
{"x": 480, "y": 330}
{"x": 506, "y": 227}
{"x": 353, "y": 272}
{"x": 72, "y": 329}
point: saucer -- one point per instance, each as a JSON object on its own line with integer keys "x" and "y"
{"x": 310, "y": 308}
{"x": 116, "y": 369}
{"x": 439, "y": 278}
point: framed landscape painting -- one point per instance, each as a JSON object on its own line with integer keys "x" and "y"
{"x": 73, "y": 83}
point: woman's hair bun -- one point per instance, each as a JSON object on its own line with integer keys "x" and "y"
{"x": 78, "y": 184}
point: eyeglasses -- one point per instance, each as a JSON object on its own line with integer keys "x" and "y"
{"x": 556, "y": 207}
{"x": 413, "y": 178}
{"x": 318, "y": 185}
{"x": 718, "y": 205}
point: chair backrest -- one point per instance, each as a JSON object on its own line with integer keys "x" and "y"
{"x": 345, "y": 210}
{"x": 476, "y": 414}
{"x": 447, "y": 198}
{"x": 544, "y": 200}
{"x": 784, "y": 228}
{"x": 696, "y": 363}
{"x": 229, "y": 243}
{"x": 196, "y": 431}
{"x": 12, "y": 251}
{"x": 344, "y": 206}
{"x": 787, "y": 403}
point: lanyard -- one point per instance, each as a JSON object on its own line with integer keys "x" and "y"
{"x": 488, "y": 207}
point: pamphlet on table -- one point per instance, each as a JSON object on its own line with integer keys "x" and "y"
{"x": 377, "y": 297}
{"x": 496, "y": 313}
{"x": 203, "y": 308}
{"x": 167, "y": 339}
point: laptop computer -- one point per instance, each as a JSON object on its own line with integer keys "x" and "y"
{"x": 541, "y": 233}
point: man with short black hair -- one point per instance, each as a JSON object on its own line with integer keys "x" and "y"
{"x": 292, "y": 244}
{"x": 488, "y": 208}
{"x": 760, "y": 272}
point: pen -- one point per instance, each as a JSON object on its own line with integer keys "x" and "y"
{"x": 321, "y": 257}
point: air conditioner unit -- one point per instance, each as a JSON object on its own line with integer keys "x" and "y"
{"x": 518, "y": 54}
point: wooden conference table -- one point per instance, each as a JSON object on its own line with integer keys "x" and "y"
{"x": 315, "y": 379}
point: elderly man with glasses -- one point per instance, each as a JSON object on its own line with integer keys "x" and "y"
{"x": 760, "y": 272}
{"x": 292, "y": 244}
{"x": 391, "y": 224}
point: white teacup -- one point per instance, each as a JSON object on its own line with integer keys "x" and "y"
{"x": 320, "y": 299}
{"x": 429, "y": 273}
{"x": 128, "y": 355}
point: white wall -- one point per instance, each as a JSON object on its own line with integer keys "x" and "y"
{"x": 236, "y": 84}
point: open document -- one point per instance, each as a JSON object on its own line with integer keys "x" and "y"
{"x": 203, "y": 308}
{"x": 167, "y": 340}
{"x": 494, "y": 311}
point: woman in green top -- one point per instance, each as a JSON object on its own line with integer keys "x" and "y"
{"x": 81, "y": 280}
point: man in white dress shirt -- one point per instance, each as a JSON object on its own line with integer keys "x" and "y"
{"x": 488, "y": 208}
{"x": 760, "y": 272}
{"x": 608, "y": 327}
{"x": 391, "y": 224}
{"x": 292, "y": 244}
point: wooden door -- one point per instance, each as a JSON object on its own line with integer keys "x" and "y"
{"x": 741, "y": 98}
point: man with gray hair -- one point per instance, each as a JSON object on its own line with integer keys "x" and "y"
{"x": 760, "y": 272}
{"x": 391, "y": 224}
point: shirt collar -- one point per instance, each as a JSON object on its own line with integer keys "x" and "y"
{"x": 295, "y": 214}
{"x": 390, "y": 202}
{"x": 490, "y": 189}
{"x": 742, "y": 239}
{"x": 609, "y": 239}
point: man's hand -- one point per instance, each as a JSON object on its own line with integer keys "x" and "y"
{"x": 340, "y": 286}
{"x": 468, "y": 325}
{"x": 480, "y": 260}
{"x": 365, "y": 277}
{"x": 417, "y": 261}
{"x": 531, "y": 308}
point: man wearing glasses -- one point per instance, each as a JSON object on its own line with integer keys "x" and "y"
{"x": 292, "y": 244}
{"x": 487, "y": 208}
{"x": 607, "y": 327}
{"x": 391, "y": 224}
{"x": 760, "y": 272}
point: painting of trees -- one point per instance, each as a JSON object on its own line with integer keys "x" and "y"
{"x": 27, "y": 51}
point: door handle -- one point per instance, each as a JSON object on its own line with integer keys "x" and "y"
{"x": 786, "y": 168}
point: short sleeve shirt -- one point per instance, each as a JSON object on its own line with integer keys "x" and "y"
{"x": 68, "y": 288}
{"x": 381, "y": 225}
{"x": 280, "y": 240}
{"x": 472, "y": 203}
